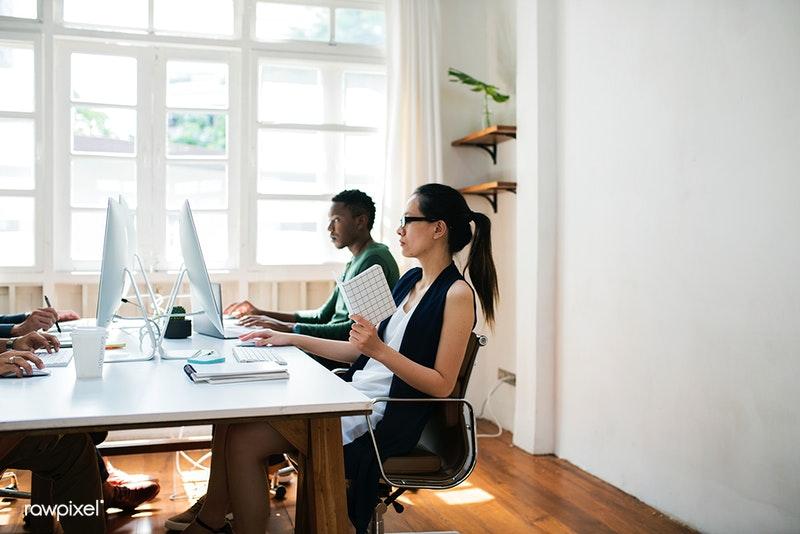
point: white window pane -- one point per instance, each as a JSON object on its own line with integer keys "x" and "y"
{"x": 87, "y": 232}
{"x": 363, "y": 159}
{"x": 103, "y": 79}
{"x": 364, "y": 100}
{"x": 212, "y": 229}
{"x": 360, "y": 26}
{"x": 24, "y": 9}
{"x": 290, "y": 95}
{"x": 103, "y": 130}
{"x": 107, "y": 13}
{"x": 16, "y": 78}
{"x": 291, "y": 162}
{"x": 207, "y": 17}
{"x": 17, "y": 153}
{"x": 294, "y": 233}
{"x": 93, "y": 180}
{"x": 17, "y": 232}
{"x": 205, "y": 185}
{"x": 278, "y": 22}
{"x": 197, "y": 85}
{"x": 197, "y": 134}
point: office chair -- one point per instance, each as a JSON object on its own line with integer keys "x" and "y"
{"x": 12, "y": 490}
{"x": 446, "y": 452}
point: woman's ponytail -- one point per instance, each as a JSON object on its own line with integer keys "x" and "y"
{"x": 481, "y": 265}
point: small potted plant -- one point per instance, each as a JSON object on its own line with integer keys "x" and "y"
{"x": 479, "y": 87}
{"x": 178, "y": 327}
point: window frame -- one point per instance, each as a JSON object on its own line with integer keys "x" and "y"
{"x": 41, "y": 181}
{"x": 339, "y": 63}
{"x": 48, "y": 32}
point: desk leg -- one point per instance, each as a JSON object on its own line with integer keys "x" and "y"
{"x": 323, "y": 486}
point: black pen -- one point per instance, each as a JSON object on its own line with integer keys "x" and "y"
{"x": 47, "y": 301}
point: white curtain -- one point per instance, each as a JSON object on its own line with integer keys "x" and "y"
{"x": 413, "y": 126}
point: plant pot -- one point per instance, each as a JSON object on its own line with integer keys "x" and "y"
{"x": 178, "y": 329}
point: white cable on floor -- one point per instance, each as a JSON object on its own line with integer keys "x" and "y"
{"x": 487, "y": 404}
{"x": 198, "y": 464}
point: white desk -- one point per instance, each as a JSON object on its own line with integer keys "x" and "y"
{"x": 306, "y": 408}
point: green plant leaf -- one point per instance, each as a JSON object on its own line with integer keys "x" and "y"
{"x": 477, "y": 86}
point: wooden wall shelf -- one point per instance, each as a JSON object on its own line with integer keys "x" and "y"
{"x": 488, "y": 139}
{"x": 489, "y": 190}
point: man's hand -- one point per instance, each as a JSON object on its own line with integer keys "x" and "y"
{"x": 262, "y": 321}
{"x": 68, "y": 315}
{"x": 34, "y": 340}
{"x": 43, "y": 319}
{"x": 238, "y": 309}
{"x": 19, "y": 363}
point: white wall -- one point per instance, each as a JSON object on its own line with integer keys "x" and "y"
{"x": 678, "y": 304}
{"x": 479, "y": 37}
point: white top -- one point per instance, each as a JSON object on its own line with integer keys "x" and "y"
{"x": 375, "y": 379}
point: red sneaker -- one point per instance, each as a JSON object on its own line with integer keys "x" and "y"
{"x": 129, "y": 495}
{"x": 117, "y": 477}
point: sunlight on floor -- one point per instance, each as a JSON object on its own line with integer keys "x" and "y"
{"x": 464, "y": 494}
{"x": 5, "y": 514}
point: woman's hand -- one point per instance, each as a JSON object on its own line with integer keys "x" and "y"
{"x": 19, "y": 362}
{"x": 268, "y": 337}
{"x": 37, "y": 340}
{"x": 364, "y": 336}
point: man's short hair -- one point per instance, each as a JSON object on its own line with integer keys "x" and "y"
{"x": 359, "y": 203}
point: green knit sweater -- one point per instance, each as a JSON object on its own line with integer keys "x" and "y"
{"x": 332, "y": 321}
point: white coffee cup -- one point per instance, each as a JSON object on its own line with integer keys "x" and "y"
{"x": 88, "y": 350}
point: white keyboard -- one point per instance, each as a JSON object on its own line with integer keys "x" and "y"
{"x": 258, "y": 354}
{"x": 55, "y": 359}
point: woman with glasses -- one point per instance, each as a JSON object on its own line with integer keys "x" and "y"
{"x": 416, "y": 353}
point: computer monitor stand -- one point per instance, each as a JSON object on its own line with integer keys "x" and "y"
{"x": 148, "y": 285}
{"x": 114, "y": 357}
{"x": 173, "y": 295}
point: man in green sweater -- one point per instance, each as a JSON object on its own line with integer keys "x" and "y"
{"x": 351, "y": 216}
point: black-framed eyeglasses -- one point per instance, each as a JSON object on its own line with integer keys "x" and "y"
{"x": 405, "y": 219}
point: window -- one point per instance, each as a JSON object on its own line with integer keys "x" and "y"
{"x": 198, "y": 155}
{"x": 319, "y": 131}
{"x": 103, "y": 154}
{"x": 208, "y": 17}
{"x": 278, "y": 21}
{"x": 23, "y": 9}
{"x": 17, "y": 152}
{"x": 244, "y": 108}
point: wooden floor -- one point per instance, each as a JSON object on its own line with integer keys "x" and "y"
{"x": 510, "y": 491}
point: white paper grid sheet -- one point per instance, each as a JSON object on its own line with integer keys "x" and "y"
{"x": 368, "y": 295}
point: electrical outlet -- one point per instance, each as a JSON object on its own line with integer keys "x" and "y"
{"x": 511, "y": 378}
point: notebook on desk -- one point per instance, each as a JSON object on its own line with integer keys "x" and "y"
{"x": 223, "y": 373}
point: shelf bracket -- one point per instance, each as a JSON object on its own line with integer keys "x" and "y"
{"x": 491, "y": 149}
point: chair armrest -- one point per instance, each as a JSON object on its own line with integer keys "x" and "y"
{"x": 470, "y": 426}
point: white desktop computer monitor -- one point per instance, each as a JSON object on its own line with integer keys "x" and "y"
{"x": 203, "y": 297}
{"x": 114, "y": 263}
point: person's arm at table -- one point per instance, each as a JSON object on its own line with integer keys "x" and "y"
{"x": 341, "y": 351}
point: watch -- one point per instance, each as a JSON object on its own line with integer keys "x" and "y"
{"x": 10, "y": 343}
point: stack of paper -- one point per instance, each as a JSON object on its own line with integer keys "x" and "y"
{"x": 226, "y": 373}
